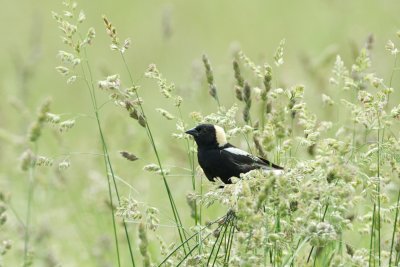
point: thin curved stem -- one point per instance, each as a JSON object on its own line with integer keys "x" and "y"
{"x": 182, "y": 234}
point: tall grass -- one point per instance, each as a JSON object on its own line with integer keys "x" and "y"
{"x": 337, "y": 203}
{"x": 78, "y": 42}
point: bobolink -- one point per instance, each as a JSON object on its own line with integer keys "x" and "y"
{"x": 220, "y": 159}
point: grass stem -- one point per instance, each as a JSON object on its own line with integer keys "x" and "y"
{"x": 182, "y": 234}
{"x": 396, "y": 217}
{"x": 31, "y": 188}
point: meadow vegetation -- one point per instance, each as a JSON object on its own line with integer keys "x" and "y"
{"x": 337, "y": 204}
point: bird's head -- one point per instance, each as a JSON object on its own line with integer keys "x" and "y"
{"x": 208, "y": 135}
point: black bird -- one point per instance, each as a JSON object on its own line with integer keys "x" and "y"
{"x": 220, "y": 159}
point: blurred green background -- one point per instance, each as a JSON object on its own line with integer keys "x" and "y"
{"x": 71, "y": 222}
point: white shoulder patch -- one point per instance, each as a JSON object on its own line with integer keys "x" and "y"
{"x": 237, "y": 151}
{"x": 220, "y": 135}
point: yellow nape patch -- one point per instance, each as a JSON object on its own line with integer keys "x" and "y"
{"x": 220, "y": 135}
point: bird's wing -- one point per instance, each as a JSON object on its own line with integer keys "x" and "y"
{"x": 270, "y": 164}
{"x": 244, "y": 160}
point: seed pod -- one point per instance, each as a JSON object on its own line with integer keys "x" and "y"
{"x": 238, "y": 75}
{"x": 209, "y": 73}
{"x": 238, "y": 92}
{"x": 128, "y": 156}
{"x": 142, "y": 121}
{"x": 134, "y": 114}
{"x": 246, "y": 93}
{"x": 213, "y": 91}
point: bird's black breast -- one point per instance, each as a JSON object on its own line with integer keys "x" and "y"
{"x": 215, "y": 164}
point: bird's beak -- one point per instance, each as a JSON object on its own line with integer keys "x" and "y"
{"x": 192, "y": 132}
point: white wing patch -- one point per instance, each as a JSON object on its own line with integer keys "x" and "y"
{"x": 237, "y": 151}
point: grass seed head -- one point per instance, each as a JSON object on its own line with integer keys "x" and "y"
{"x": 142, "y": 121}
{"x": 238, "y": 92}
{"x": 27, "y": 159}
{"x": 3, "y": 219}
{"x": 111, "y": 31}
{"x": 143, "y": 245}
{"x": 238, "y": 75}
{"x": 165, "y": 114}
{"x": 209, "y": 72}
{"x": 278, "y": 57}
{"x": 129, "y": 156}
{"x": 65, "y": 164}
{"x": 65, "y": 126}
{"x": 43, "y": 161}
